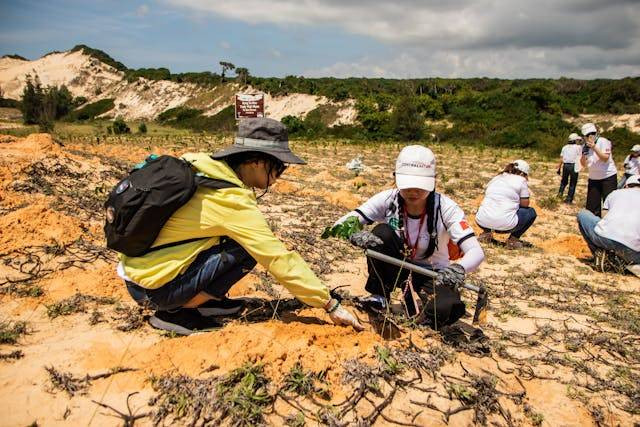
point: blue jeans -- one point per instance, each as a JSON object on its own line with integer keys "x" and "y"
{"x": 214, "y": 271}
{"x": 587, "y": 223}
{"x": 526, "y": 218}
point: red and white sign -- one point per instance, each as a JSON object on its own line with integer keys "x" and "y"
{"x": 249, "y": 105}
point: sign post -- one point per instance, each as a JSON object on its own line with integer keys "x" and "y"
{"x": 249, "y": 106}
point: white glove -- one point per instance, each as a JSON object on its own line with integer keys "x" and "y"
{"x": 341, "y": 316}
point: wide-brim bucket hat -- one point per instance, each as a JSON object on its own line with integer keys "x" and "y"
{"x": 264, "y": 135}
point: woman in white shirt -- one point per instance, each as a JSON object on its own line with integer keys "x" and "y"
{"x": 422, "y": 226}
{"x": 569, "y": 155}
{"x": 631, "y": 165}
{"x": 603, "y": 175}
{"x": 505, "y": 207}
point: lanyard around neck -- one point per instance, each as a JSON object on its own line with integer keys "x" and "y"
{"x": 407, "y": 238}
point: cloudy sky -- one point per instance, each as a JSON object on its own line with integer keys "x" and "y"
{"x": 341, "y": 38}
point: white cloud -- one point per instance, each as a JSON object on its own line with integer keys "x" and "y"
{"x": 470, "y": 37}
{"x": 142, "y": 10}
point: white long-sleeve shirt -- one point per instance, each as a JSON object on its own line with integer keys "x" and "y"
{"x": 452, "y": 226}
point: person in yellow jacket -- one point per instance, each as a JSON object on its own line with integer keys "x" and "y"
{"x": 188, "y": 283}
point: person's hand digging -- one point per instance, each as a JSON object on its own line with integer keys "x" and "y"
{"x": 341, "y": 316}
{"x": 365, "y": 240}
{"x": 452, "y": 276}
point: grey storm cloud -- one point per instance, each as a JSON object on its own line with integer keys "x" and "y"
{"x": 463, "y": 33}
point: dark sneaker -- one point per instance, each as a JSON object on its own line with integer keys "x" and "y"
{"x": 513, "y": 243}
{"x": 486, "y": 237}
{"x": 223, "y": 307}
{"x": 184, "y": 321}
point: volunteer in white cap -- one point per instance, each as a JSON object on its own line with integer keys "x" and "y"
{"x": 631, "y": 165}
{"x": 603, "y": 175}
{"x": 569, "y": 156}
{"x": 619, "y": 230}
{"x": 505, "y": 207}
{"x": 420, "y": 225}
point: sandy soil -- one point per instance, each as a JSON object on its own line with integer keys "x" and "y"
{"x": 562, "y": 338}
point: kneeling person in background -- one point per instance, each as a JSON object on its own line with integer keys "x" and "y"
{"x": 424, "y": 227}
{"x": 619, "y": 230}
{"x": 631, "y": 165}
{"x": 505, "y": 207}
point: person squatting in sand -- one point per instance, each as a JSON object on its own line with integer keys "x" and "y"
{"x": 618, "y": 231}
{"x": 505, "y": 207}
{"x": 188, "y": 283}
{"x": 417, "y": 224}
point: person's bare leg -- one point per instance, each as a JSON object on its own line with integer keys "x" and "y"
{"x": 200, "y": 299}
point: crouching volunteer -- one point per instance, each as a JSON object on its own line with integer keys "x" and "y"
{"x": 631, "y": 165}
{"x": 603, "y": 175}
{"x": 422, "y": 226}
{"x": 619, "y": 230}
{"x": 505, "y": 207}
{"x": 226, "y": 234}
{"x": 569, "y": 157}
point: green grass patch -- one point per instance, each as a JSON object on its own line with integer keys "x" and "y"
{"x": 91, "y": 111}
{"x": 11, "y": 331}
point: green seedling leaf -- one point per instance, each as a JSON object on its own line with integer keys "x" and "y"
{"x": 344, "y": 230}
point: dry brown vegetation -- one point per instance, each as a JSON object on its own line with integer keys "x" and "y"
{"x": 560, "y": 346}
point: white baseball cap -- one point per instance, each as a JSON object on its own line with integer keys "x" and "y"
{"x": 635, "y": 148}
{"x": 588, "y": 128}
{"x": 416, "y": 168}
{"x": 574, "y": 137}
{"x": 522, "y": 166}
{"x": 633, "y": 179}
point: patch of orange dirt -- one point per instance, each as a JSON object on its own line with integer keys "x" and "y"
{"x": 566, "y": 244}
{"x": 34, "y": 146}
{"x": 245, "y": 286}
{"x": 37, "y": 225}
{"x": 285, "y": 187}
{"x": 279, "y": 346}
{"x": 323, "y": 177}
{"x": 344, "y": 198}
{"x": 97, "y": 280}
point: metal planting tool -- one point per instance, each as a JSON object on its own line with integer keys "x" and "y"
{"x": 482, "y": 303}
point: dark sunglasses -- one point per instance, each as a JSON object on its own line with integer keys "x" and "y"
{"x": 279, "y": 167}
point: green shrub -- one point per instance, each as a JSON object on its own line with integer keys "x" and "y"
{"x": 100, "y": 55}
{"x": 91, "y": 111}
{"x": 119, "y": 127}
{"x": 190, "y": 118}
{"x": 142, "y": 128}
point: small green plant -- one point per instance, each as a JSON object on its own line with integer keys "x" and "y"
{"x": 389, "y": 363}
{"x": 10, "y": 331}
{"x": 462, "y": 393}
{"x": 298, "y": 381}
{"x": 75, "y": 304}
{"x": 304, "y": 383}
{"x": 244, "y": 394}
{"x": 142, "y": 128}
{"x": 536, "y": 417}
{"x": 344, "y": 230}
{"x": 295, "y": 420}
{"x": 549, "y": 202}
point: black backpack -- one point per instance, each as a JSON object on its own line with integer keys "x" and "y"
{"x": 141, "y": 203}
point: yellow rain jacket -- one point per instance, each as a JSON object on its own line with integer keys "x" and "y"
{"x": 229, "y": 212}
